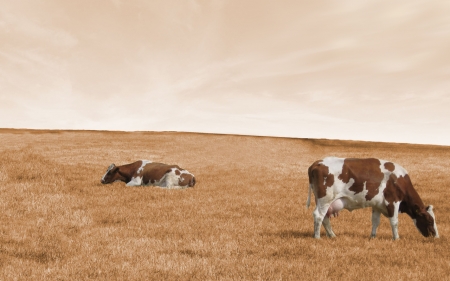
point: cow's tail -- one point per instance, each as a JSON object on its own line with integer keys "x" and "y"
{"x": 308, "y": 201}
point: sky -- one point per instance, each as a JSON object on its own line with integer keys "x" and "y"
{"x": 350, "y": 69}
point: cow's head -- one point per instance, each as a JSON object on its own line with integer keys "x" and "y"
{"x": 111, "y": 175}
{"x": 425, "y": 222}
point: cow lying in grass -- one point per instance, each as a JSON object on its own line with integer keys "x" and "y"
{"x": 144, "y": 173}
{"x": 351, "y": 183}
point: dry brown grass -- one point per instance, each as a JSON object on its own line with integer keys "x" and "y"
{"x": 245, "y": 219}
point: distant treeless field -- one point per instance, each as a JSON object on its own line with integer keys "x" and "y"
{"x": 244, "y": 220}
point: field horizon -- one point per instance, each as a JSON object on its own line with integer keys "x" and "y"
{"x": 246, "y": 218}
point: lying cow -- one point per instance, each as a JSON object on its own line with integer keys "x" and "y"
{"x": 352, "y": 183}
{"x": 144, "y": 172}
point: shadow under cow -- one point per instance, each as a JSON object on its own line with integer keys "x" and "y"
{"x": 286, "y": 234}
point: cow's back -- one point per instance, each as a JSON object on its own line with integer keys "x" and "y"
{"x": 358, "y": 180}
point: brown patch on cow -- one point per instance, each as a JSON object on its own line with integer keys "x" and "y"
{"x": 389, "y": 166}
{"x": 319, "y": 176}
{"x": 329, "y": 180}
{"x": 154, "y": 172}
{"x": 412, "y": 203}
{"x": 177, "y": 172}
{"x": 129, "y": 170}
{"x": 362, "y": 171}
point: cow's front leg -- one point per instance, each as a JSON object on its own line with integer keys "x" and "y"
{"x": 375, "y": 222}
{"x": 394, "y": 222}
{"x": 327, "y": 225}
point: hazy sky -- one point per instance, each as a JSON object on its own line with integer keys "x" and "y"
{"x": 362, "y": 70}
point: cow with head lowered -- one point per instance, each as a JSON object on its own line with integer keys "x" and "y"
{"x": 144, "y": 173}
{"x": 351, "y": 183}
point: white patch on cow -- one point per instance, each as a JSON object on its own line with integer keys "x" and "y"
{"x": 185, "y": 172}
{"x": 334, "y": 164}
{"x": 335, "y": 168}
{"x": 144, "y": 162}
{"x": 399, "y": 171}
{"x": 358, "y": 200}
{"x": 384, "y": 170}
{"x": 172, "y": 179}
{"x": 137, "y": 181}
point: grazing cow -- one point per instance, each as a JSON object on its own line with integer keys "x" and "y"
{"x": 351, "y": 183}
{"x": 144, "y": 172}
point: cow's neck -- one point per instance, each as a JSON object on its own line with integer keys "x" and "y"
{"x": 412, "y": 203}
{"x": 128, "y": 171}
{"x": 125, "y": 175}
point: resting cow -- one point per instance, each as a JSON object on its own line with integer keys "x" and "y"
{"x": 144, "y": 172}
{"x": 351, "y": 183}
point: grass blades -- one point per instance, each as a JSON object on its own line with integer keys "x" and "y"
{"x": 244, "y": 220}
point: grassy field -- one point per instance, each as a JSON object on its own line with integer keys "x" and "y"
{"x": 244, "y": 220}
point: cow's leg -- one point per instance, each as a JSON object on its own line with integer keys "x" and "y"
{"x": 375, "y": 222}
{"x": 317, "y": 223}
{"x": 327, "y": 225}
{"x": 394, "y": 221}
{"x": 319, "y": 215}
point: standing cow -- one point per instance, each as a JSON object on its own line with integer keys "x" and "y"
{"x": 339, "y": 183}
{"x": 144, "y": 172}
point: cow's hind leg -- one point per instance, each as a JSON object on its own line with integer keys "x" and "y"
{"x": 319, "y": 216}
{"x": 375, "y": 222}
{"x": 327, "y": 225}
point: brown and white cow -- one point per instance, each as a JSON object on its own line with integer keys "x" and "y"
{"x": 144, "y": 172}
{"x": 351, "y": 183}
